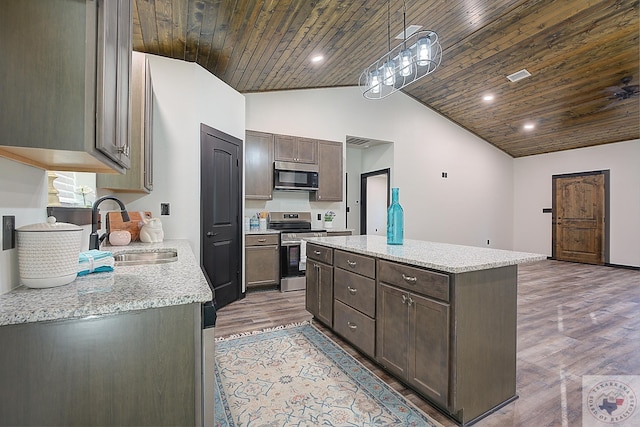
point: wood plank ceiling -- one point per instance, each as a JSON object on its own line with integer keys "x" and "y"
{"x": 576, "y": 50}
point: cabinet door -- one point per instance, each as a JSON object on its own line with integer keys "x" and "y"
{"x": 262, "y": 265}
{"x": 307, "y": 150}
{"x": 325, "y": 294}
{"x": 286, "y": 149}
{"x": 312, "y": 288}
{"x": 428, "y": 370}
{"x": 258, "y": 162}
{"x": 139, "y": 177}
{"x": 392, "y": 329}
{"x": 112, "y": 104}
{"x": 329, "y": 172}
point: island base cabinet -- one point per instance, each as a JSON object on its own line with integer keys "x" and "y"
{"x": 413, "y": 341}
{"x": 135, "y": 368}
{"x": 319, "y": 291}
{"x": 357, "y": 328}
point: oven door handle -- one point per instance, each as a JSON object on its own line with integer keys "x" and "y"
{"x": 289, "y": 244}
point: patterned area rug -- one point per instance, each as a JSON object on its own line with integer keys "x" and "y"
{"x": 296, "y": 376}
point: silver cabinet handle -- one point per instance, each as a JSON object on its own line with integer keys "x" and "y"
{"x": 262, "y": 240}
{"x": 317, "y": 252}
{"x": 410, "y": 301}
{"x": 351, "y": 290}
{"x": 410, "y": 279}
{"x": 404, "y": 299}
{"x": 351, "y": 263}
{"x": 352, "y": 326}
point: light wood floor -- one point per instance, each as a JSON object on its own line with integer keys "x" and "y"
{"x": 573, "y": 320}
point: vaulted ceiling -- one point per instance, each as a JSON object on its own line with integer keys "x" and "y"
{"x": 577, "y": 51}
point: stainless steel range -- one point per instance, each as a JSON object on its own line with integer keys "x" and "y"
{"x": 294, "y": 227}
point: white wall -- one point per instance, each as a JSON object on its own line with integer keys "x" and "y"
{"x": 185, "y": 95}
{"x": 23, "y": 194}
{"x": 532, "y": 183}
{"x": 473, "y": 205}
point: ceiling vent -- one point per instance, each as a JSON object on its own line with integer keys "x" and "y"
{"x": 411, "y": 29}
{"x": 522, "y": 74}
{"x": 358, "y": 142}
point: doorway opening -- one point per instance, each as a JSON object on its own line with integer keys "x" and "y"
{"x": 580, "y": 223}
{"x": 374, "y": 201}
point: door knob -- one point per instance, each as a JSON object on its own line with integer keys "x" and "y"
{"x": 211, "y": 234}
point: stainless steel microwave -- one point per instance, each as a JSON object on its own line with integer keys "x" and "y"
{"x": 295, "y": 176}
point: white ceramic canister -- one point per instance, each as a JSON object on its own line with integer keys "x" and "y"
{"x": 48, "y": 253}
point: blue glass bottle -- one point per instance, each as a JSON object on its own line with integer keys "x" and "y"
{"x": 395, "y": 220}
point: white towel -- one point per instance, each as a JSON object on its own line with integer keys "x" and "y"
{"x": 302, "y": 265}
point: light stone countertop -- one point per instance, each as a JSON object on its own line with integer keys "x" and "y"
{"x": 267, "y": 231}
{"x": 127, "y": 288}
{"x": 437, "y": 256}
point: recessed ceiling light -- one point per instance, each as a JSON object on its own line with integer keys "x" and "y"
{"x": 529, "y": 126}
{"x": 317, "y": 59}
{"x": 488, "y": 98}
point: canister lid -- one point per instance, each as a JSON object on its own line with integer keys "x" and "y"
{"x": 50, "y": 225}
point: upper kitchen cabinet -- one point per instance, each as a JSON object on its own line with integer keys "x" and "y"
{"x": 258, "y": 165}
{"x": 296, "y": 149}
{"x": 139, "y": 177}
{"x": 64, "y": 84}
{"x": 329, "y": 172}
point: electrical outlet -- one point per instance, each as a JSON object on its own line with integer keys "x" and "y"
{"x": 8, "y": 232}
{"x": 487, "y": 241}
{"x": 319, "y": 217}
{"x": 164, "y": 208}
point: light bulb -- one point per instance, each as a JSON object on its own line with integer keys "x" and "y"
{"x": 406, "y": 66}
{"x": 424, "y": 51}
{"x": 389, "y": 73}
{"x": 375, "y": 83}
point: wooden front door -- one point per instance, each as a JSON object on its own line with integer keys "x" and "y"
{"x": 579, "y": 227}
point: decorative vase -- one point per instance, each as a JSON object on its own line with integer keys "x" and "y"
{"x": 395, "y": 220}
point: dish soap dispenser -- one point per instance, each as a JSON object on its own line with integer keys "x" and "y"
{"x": 395, "y": 220}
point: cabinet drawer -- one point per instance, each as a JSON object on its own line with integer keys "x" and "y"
{"x": 261, "y": 239}
{"x": 320, "y": 253}
{"x": 356, "y": 291}
{"x": 429, "y": 283}
{"x": 354, "y": 326}
{"x": 360, "y": 264}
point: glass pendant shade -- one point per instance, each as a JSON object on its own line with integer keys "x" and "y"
{"x": 406, "y": 63}
{"x": 423, "y": 51}
{"x": 389, "y": 73}
{"x": 375, "y": 82}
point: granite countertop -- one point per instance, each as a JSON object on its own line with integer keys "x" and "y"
{"x": 127, "y": 288}
{"x": 267, "y": 231}
{"x": 437, "y": 256}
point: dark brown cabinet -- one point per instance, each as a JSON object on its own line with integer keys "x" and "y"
{"x": 262, "y": 260}
{"x": 413, "y": 340}
{"x": 139, "y": 177}
{"x": 296, "y": 149}
{"x": 329, "y": 172}
{"x": 319, "y": 283}
{"x": 258, "y": 158}
{"x": 355, "y": 299}
{"x": 66, "y": 104}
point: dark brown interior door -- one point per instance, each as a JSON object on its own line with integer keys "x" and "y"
{"x": 579, "y": 228}
{"x": 220, "y": 212}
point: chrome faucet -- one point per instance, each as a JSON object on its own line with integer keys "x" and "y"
{"x": 94, "y": 240}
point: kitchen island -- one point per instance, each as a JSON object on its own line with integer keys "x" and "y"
{"x": 112, "y": 348}
{"x": 441, "y": 318}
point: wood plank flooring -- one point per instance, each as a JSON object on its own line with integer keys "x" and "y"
{"x": 573, "y": 320}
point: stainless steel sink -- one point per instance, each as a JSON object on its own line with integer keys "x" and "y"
{"x": 161, "y": 256}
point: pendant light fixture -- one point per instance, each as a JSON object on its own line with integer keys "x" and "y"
{"x": 402, "y": 65}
